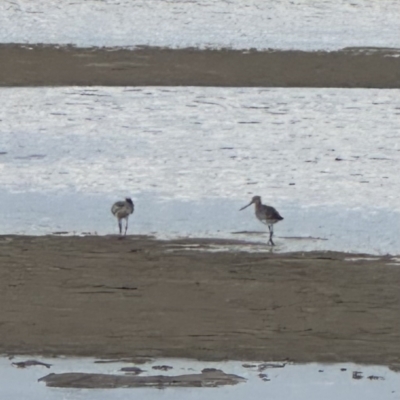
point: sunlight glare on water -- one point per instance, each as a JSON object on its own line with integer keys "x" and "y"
{"x": 327, "y": 159}
{"x": 260, "y": 24}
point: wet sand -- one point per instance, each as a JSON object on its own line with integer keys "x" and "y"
{"x": 214, "y": 378}
{"x": 104, "y": 297}
{"x": 37, "y": 65}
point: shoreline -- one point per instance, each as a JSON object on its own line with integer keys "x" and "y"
{"x": 52, "y": 65}
{"x": 138, "y": 297}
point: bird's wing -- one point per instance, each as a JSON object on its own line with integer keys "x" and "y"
{"x": 116, "y": 206}
{"x": 272, "y": 213}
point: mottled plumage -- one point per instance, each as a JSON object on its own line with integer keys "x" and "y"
{"x": 122, "y": 210}
{"x": 266, "y": 214}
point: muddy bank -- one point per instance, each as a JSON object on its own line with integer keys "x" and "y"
{"x": 81, "y": 380}
{"x": 103, "y": 297}
{"x": 37, "y": 65}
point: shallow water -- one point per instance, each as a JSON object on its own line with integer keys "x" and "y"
{"x": 292, "y": 381}
{"x": 327, "y": 159}
{"x": 261, "y": 24}
{"x": 303, "y": 229}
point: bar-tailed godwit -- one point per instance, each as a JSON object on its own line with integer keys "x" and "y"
{"x": 122, "y": 210}
{"x": 266, "y": 214}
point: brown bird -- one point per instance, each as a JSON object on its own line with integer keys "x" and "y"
{"x": 266, "y": 214}
{"x": 122, "y": 210}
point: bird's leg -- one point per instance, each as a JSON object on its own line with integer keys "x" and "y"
{"x": 120, "y": 226}
{"x": 271, "y": 233}
{"x": 126, "y": 225}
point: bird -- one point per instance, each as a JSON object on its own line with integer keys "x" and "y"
{"x": 266, "y": 214}
{"x": 122, "y": 210}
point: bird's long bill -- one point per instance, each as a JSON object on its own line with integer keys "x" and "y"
{"x": 246, "y": 206}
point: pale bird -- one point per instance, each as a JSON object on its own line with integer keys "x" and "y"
{"x": 266, "y": 214}
{"x": 122, "y": 210}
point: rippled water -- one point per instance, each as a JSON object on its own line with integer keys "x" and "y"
{"x": 262, "y": 24}
{"x": 327, "y": 159}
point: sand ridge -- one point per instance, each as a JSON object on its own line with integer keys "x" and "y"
{"x": 139, "y": 297}
{"x": 47, "y": 65}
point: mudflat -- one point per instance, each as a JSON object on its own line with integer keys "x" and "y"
{"x": 40, "y": 65}
{"x": 140, "y": 297}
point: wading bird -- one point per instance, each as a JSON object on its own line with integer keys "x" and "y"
{"x": 122, "y": 210}
{"x": 266, "y": 214}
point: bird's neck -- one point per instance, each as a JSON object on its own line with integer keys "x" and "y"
{"x": 258, "y": 205}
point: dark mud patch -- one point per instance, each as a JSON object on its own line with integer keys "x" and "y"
{"x": 214, "y": 378}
